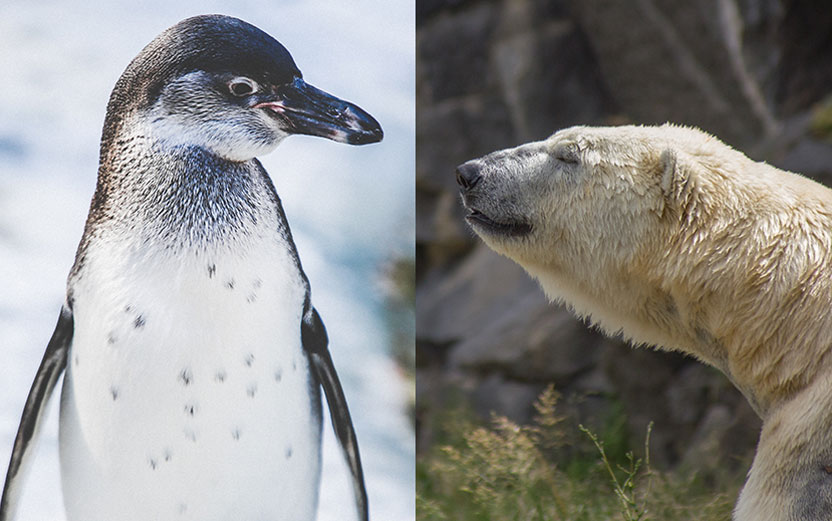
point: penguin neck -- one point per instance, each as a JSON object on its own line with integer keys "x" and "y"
{"x": 181, "y": 196}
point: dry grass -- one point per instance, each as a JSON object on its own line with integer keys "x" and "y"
{"x": 508, "y": 472}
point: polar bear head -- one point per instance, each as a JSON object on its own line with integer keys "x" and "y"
{"x": 577, "y": 197}
{"x": 593, "y": 212}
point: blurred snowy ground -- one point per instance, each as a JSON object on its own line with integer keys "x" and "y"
{"x": 351, "y": 208}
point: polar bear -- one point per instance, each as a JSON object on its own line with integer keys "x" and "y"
{"x": 676, "y": 240}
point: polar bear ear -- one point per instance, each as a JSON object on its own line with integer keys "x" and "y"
{"x": 681, "y": 176}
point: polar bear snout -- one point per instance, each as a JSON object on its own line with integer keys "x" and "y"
{"x": 489, "y": 205}
{"x": 468, "y": 175}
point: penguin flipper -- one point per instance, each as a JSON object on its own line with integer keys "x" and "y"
{"x": 51, "y": 367}
{"x": 315, "y": 343}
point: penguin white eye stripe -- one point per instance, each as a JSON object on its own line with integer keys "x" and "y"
{"x": 242, "y": 86}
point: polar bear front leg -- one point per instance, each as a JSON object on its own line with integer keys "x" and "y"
{"x": 791, "y": 477}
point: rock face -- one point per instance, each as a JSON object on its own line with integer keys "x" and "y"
{"x": 496, "y": 73}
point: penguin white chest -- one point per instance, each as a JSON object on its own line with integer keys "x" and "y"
{"x": 188, "y": 394}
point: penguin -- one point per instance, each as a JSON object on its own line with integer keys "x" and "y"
{"x": 192, "y": 352}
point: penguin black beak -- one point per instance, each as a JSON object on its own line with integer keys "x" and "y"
{"x": 304, "y": 109}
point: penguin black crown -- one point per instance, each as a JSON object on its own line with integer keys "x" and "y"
{"x": 194, "y": 358}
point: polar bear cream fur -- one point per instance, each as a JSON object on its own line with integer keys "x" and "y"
{"x": 674, "y": 239}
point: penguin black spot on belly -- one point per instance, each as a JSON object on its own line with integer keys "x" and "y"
{"x": 111, "y": 338}
{"x": 76, "y": 360}
{"x": 186, "y": 376}
{"x": 153, "y": 463}
{"x": 251, "y": 298}
{"x": 249, "y": 360}
{"x": 235, "y": 433}
{"x": 168, "y": 455}
{"x": 229, "y": 284}
{"x": 190, "y": 434}
{"x": 139, "y": 322}
{"x": 257, "y": 284}
{"x": 212, "y": 270}
{"x": 278, "y": 375}
{"x": 182, "y": 508}
{"x": 190, "y": 409}
{"x": 251, "y": 390}
{"x": 220, "y": 376}
{"x": 288, "y": 452}
{"x": 114, "y": 393}
{"x": 128, "y": 309}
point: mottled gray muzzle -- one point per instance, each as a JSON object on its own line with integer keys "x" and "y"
{"x": 487, "y": 212}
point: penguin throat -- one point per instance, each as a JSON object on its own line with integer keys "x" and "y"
{"x": 184, "y": 196}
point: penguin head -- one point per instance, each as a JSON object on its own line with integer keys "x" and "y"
{"x": 222, "y": 84}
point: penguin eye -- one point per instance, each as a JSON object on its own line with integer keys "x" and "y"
{"x": 242, "y": 87}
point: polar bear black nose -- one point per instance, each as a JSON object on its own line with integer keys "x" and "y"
{"x": 468, "y": 175}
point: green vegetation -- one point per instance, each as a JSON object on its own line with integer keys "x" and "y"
{"x": 552, "y": 471}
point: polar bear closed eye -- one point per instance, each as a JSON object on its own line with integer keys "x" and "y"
{"x": 676, "y": 240}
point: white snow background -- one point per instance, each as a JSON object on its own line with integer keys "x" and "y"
{"x": 350, "y": 208}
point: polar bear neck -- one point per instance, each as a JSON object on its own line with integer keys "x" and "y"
{"x": 697, "y": 290}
